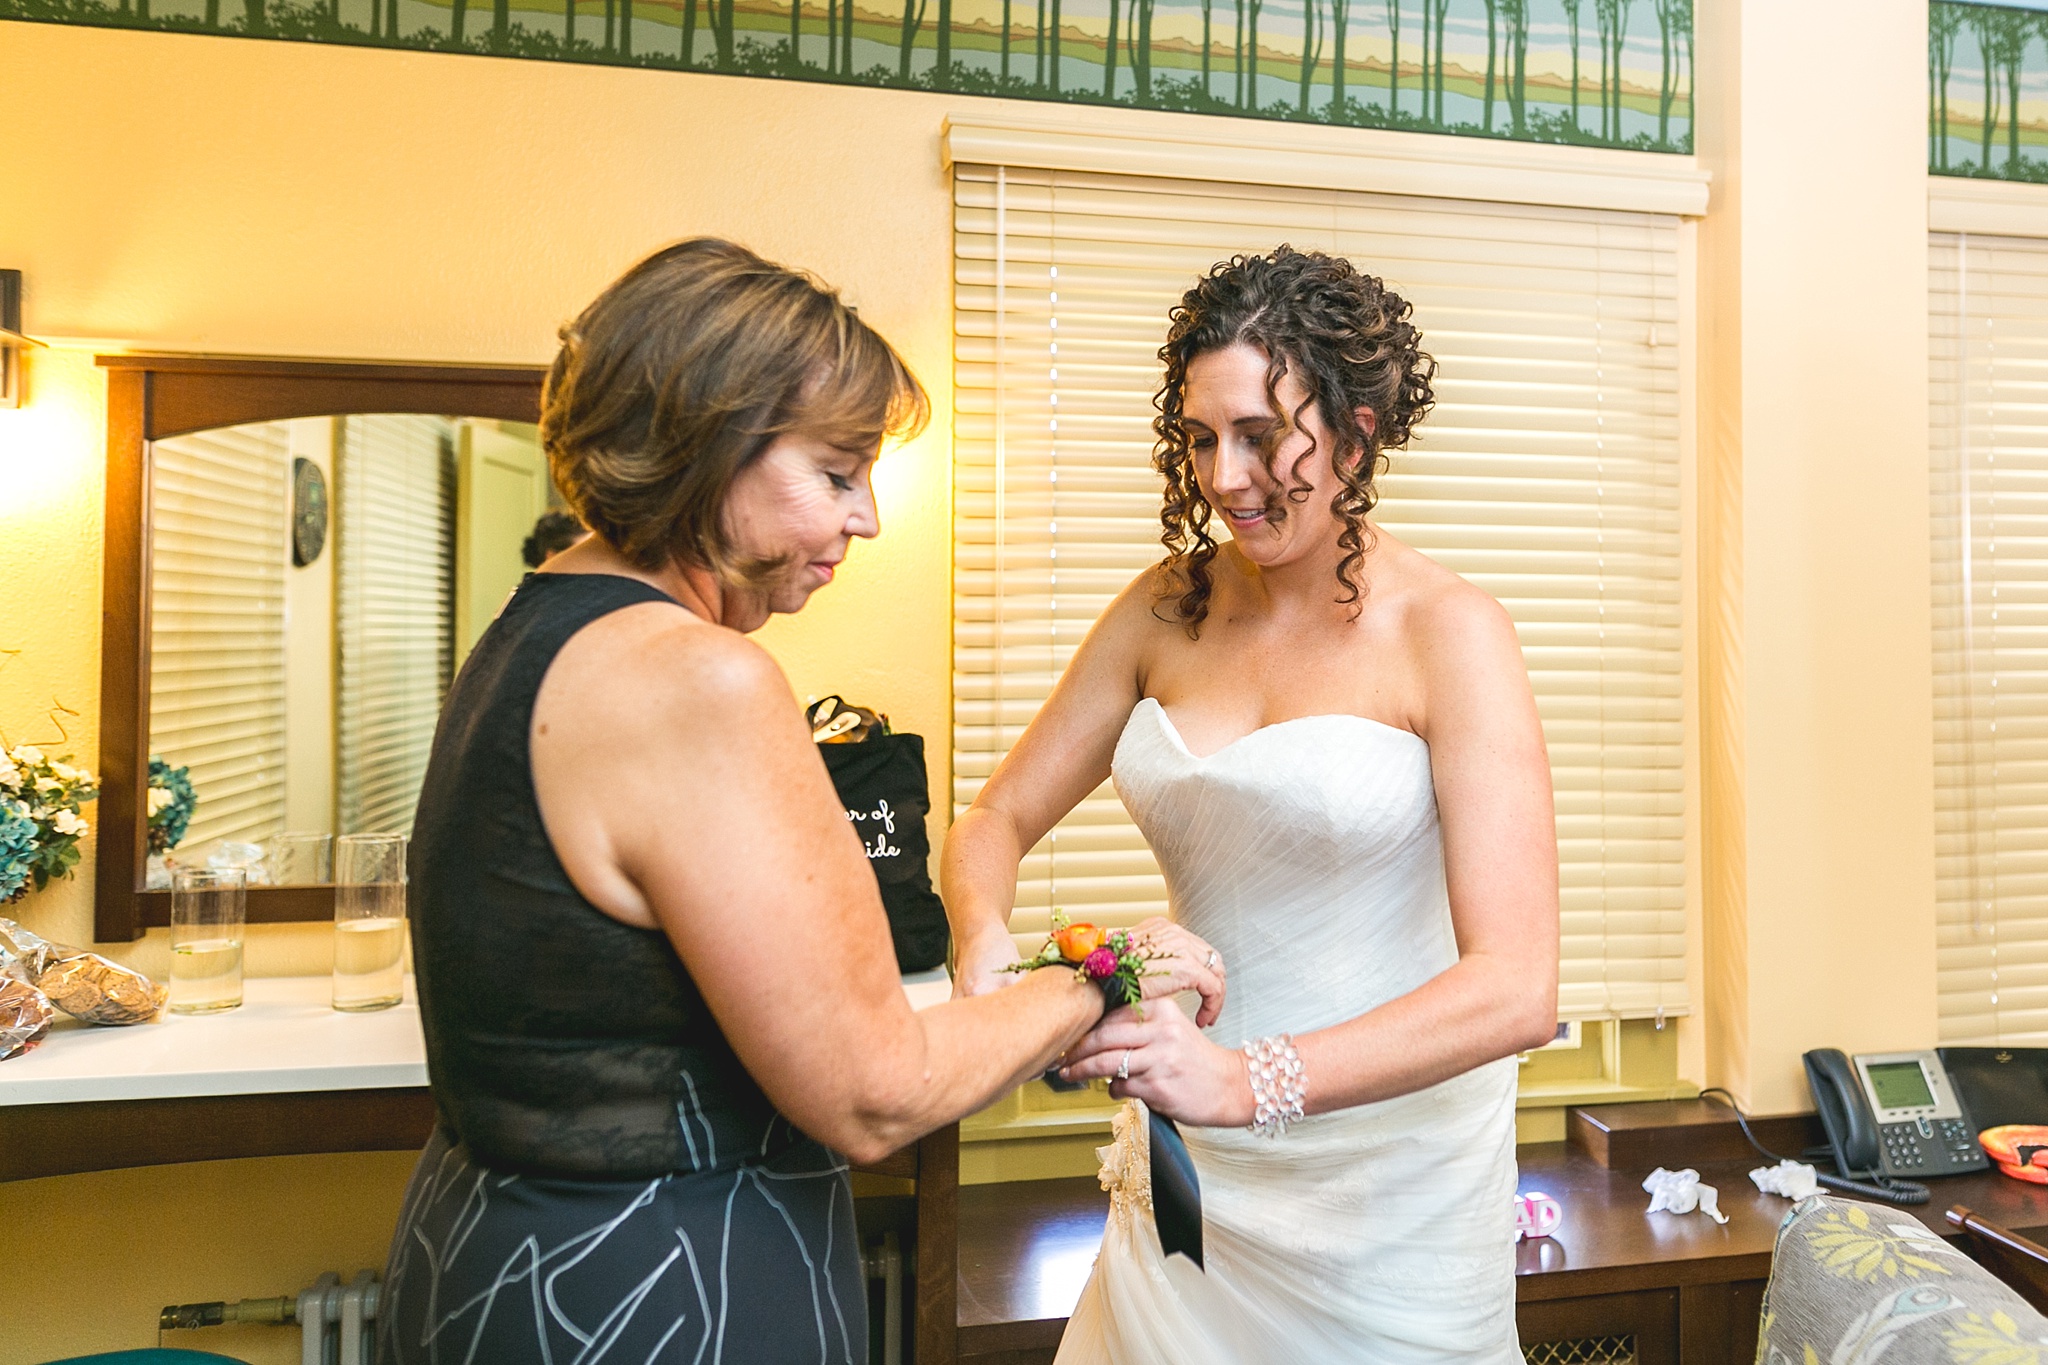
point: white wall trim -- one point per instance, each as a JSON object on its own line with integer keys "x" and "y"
{"x": 1245, "y": 151}
{"x": 2007, "y": 208}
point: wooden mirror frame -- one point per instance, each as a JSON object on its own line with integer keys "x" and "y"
{"x": 150, "y": 397}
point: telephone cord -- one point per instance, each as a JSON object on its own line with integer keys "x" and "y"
{"x": 1887, "y": 1188}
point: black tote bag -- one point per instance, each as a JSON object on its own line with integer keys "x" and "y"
{"x": 882, "y": 784}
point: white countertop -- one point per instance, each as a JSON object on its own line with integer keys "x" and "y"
{"x": 286, "y": 1037}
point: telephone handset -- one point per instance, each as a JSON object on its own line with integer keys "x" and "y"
{"x": 1889, "y": 1115}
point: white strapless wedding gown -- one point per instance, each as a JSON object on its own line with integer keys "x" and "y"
{"x": 1308, "y": 854}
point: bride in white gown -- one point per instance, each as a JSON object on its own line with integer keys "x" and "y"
{"x": 1330, "y": 743}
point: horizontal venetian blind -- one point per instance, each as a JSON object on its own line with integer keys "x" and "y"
{"x": 1548, "y": 475}
{"x": 1988, "y": 442}
{"x": 395, "y": 612}
{"x": 218, "y": 549}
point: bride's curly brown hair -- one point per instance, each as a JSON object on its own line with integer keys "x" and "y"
{"x": 1347, "y": 339}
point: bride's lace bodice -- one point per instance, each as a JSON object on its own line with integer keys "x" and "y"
{"x": 1307, "y": 853}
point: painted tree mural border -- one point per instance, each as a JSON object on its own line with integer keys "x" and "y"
{"x": 1987, "y": 90}
{"x": 1608, "y": 73}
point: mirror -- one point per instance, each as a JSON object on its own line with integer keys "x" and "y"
{"x": 314, "y": 585}
{"x": 299, "y": 554}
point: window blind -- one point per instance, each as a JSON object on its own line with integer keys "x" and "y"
{"x": 1988, "y": 443}
{"x": 395, "y": 613}
{"x": 218, "y": 549}
{"x": 1548, "y": 475}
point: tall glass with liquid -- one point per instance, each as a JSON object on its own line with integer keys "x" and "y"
{"x": 208, "y": 911}
{"x": 369, "y": 921}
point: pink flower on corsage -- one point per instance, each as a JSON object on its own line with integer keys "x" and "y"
{"x": 1111, "y": 961}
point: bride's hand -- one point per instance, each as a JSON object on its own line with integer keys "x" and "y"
{"x": 1185, "y": 963}
{"x": 1164, "y": 1060}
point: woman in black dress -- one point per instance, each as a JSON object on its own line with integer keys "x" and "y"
{"x": 655, "y": 976}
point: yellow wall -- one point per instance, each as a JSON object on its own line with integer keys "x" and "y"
{"x": 337, "y": 202}
{"x": 1817, "y": 692}
{"x": 96, "y": 1257}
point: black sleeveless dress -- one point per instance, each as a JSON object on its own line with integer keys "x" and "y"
{"x": 606, "y": 1182}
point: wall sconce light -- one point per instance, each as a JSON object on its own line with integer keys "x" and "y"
{"x": 13, "y": 344}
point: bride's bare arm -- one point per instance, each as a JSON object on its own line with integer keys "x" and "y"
{"x": 1492, "y": 780}
{"x": 1062, "y": 756}
{"x": 681, "y": 788}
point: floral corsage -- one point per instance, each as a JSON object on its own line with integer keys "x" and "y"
{"x": 1109, "y": 959}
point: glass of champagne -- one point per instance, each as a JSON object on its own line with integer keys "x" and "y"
{"x": 301, "y": 858}
{"x": 369, "y": 921}
{"x": 208, "y": 910}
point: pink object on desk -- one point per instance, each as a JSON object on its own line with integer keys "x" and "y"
{"x": 1536, "y": 1215}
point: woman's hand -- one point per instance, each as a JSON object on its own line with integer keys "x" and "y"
{"x": 978, "y": 965}
{"x": 1184, "y": 962}
{"x": 1164, "y": 1060}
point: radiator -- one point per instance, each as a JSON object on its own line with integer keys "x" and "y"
{"x": 337, "y": 1322}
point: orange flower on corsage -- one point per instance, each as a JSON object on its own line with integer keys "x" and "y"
{"x": 1110, "y": 959}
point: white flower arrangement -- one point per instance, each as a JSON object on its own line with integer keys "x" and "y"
{"x": 40, "y": 823}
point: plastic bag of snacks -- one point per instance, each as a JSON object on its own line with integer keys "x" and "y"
{"x": 84, "y": 985}
{"x": 25, "y": 1016}
{"x": 91, "y": 988}
{"x": 23, "y": 954}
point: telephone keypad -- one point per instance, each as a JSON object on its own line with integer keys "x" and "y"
{"x": 1931, "y": 1147}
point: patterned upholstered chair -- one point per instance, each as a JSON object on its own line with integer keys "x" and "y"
{"x": 1856, "y": 1284}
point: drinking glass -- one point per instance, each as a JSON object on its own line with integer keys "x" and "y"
{"x": 302, "y": 858}
{"x": 208, "y": 910}
{"x": 369, "y": 921}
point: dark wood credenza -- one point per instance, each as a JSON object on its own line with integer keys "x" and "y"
{"x": 997, "y": 1267}
{"x": 1674, "y": 1290}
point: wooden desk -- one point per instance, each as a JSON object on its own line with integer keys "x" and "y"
{"x": 1687, "y": 1289}
{"x": 1682, "y": 1286}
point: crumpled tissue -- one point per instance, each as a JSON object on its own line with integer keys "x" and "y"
{"x": 1681, "y": 1192}
{"x": 1792, "y": 1179}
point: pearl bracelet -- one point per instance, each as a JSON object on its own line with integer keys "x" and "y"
{"x": 1279, "y": 1085}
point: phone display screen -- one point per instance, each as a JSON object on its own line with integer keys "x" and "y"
{"x": 1899, "y": 1085}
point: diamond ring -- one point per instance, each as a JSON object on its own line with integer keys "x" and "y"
{"x": 1210, "y": 963}
{"x": 1123, "y": 1068}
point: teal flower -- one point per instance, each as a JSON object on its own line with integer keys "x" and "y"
{"x": 17, "y": 847}
{"x": 171, "y": 802}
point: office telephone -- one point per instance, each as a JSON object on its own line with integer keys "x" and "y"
{"x": 1890, "y": 1116}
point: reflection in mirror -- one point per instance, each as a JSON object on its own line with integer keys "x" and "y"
{"x": 295, "y": 676}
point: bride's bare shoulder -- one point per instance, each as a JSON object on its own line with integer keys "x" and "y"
{"x": 1448, "y": 622}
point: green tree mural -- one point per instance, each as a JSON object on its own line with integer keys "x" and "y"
{"x": 1986, "y": 23}
{"x": 1492, "y": 52}
{"x": 1674, "y": 24}
{"x": 1612, "y": 17}
{"x": 1393, "y": 61}
{"x": 1516, "y": 15}
{"x": 1571, "y": 21}
{"x": 1498, "y": 68}
{"x": 1985, "y": 69}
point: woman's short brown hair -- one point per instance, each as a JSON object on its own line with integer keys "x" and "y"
{"x": 683, "y": 371}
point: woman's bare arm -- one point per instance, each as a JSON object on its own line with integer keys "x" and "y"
{"x": 681, "y": 787}
{"x": 1492, "y": 776}
{"x": 1492, "y": 780}
{"x": 1063, "y": 755}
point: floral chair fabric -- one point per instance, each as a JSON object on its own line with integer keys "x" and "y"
{"x": 1860, "y": 1284}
